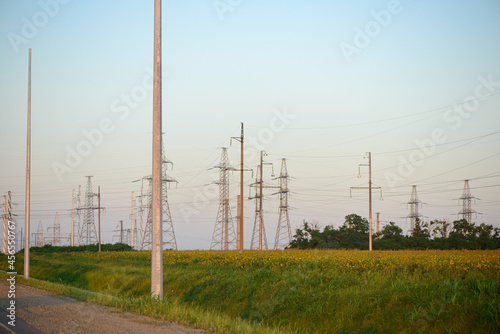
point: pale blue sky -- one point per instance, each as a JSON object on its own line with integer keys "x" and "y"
{"x": 263, "y": 56}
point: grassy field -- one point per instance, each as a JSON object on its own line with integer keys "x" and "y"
{"x": 296, "y": 291}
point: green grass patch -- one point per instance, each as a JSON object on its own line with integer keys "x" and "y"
{"x": 294, "y": 291}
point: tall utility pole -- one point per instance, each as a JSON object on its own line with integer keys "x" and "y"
{"x": 121, "y": 231}
{"x": 4, "y": 239}
{"x": 73, "y": 218}
{"x": 79, "y": 212}
{"x": 132, "y": 223}
{"x": 239, "y": 236}
{"x": 157, "y": 251}
{"x": 370, "y": 187}
{"x": 142, "y": 214}
{"x": 89, "y": 234}
{"x": 223, "y": 236}
{"x": 99, "y": 214}
{"x": 238, "y": 215}
{"x": 28, "y": 174}
{"x": 284, "y": 231}
{"x": 261, "y": 197}
{"x": 414, "y": 203}
{"x": 378, "y": 222}
{"x": 466, "y": 199}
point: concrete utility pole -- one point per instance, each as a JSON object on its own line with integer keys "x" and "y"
{"x": 28, "y": 173}
{"x": 157, "y": 251}
{"x": 261, "y": 195}
{"x": 238, "y": 213}
{"x": 99, "y": 214}
{"x": 378, "y": 222}
{"x": 239, "y": 227}
{"x": 370, "y": 194}
{"x": 73, "y": 218}
{"x": 142, "y": 214}
{"x": 240, "y": 223}
{"x": 132, "y": 224}
{"x": 370, "y": 187}
{"x": 79, "y": 212}
{"x": 121, "y": 231}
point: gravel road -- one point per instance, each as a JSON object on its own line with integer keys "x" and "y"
{"x": 48, "y": 312}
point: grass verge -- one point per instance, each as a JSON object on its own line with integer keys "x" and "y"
{"x": 296, "y": 291}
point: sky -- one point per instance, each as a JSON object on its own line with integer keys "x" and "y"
{"x": 320, "y": 83}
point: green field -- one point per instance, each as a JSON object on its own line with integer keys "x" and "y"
{"x": 293, "y": 291}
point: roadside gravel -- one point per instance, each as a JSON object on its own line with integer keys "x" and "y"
{"x": 52, "y": 313}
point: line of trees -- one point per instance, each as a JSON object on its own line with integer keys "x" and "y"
{"x": 436, "y": 234}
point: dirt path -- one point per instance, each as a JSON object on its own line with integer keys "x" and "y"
{"x": 52, "y": 313}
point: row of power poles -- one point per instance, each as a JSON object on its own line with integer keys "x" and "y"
{"x": 224, "y": 236}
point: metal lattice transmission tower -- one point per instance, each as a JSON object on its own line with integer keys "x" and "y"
{"x": 414, "y": 203}
{"x": 88, "y": 234}
{"x": 466, "y": 199}
{"x": 283, "y": 232}
{"x": 55, "y": 239}
{"x": 168, "y": 237}
{"x": 259, "y": 239}
{"x": 224, "y": 236}
{"x": 38, "y": 236}
{"x": 147, "y": 239}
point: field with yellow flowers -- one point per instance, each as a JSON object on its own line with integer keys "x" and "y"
{"x": 297, "y": 291}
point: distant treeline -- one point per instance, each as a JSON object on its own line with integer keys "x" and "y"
{"x": 436, "y": 234}
{"x": 87, "y": 248}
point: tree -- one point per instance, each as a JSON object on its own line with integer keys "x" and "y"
{"x": 354, "y": 232}
{"x": 356, "y": 223}
{"x": 440, "y": 228}
{"x": 392, "y": 231}
{"x": 309, "y": 237}
{"x": 464, "y": 228}
{"x": 421, "y": 229}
